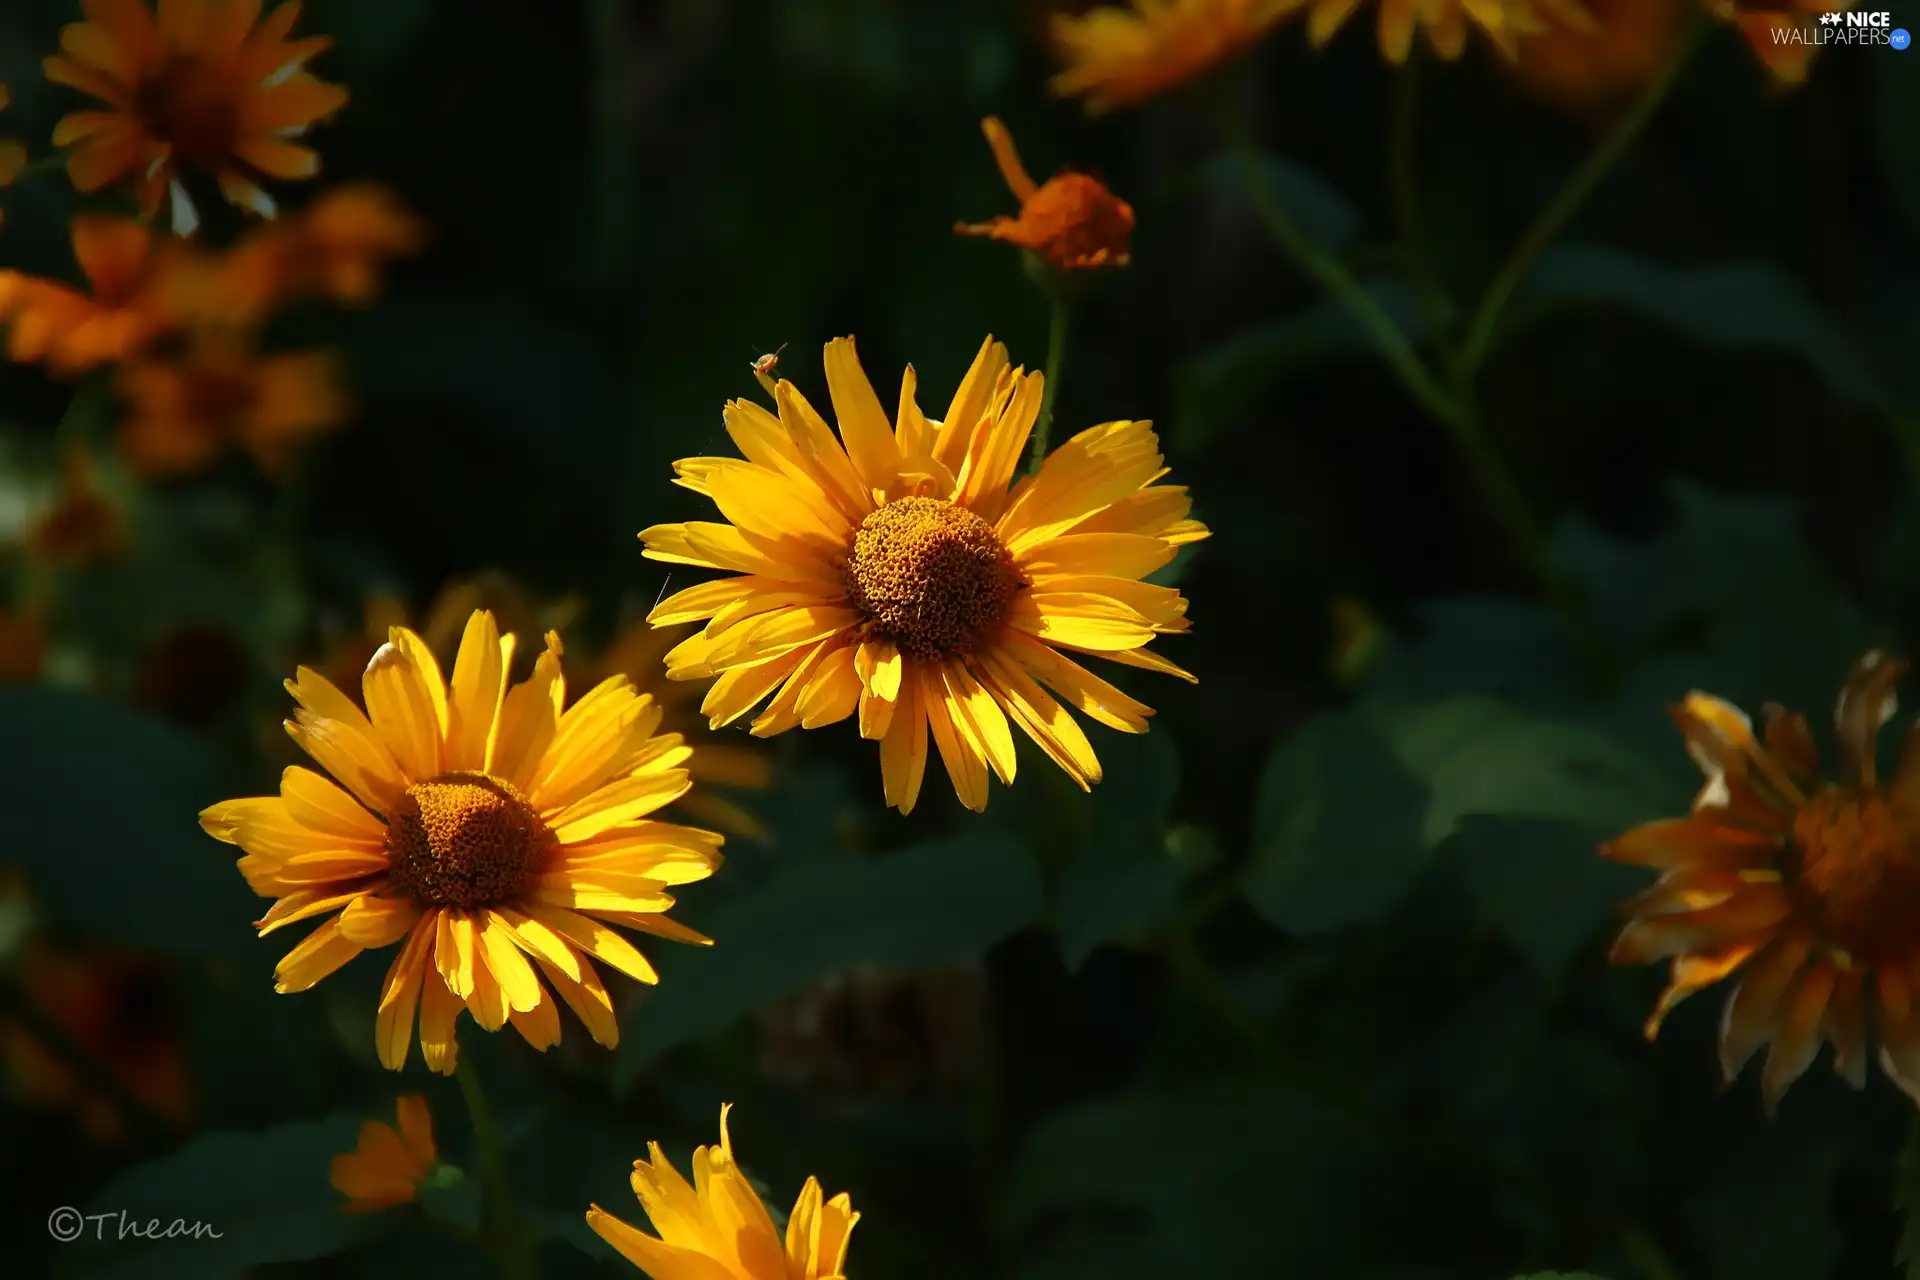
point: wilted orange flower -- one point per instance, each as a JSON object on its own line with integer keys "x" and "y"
{"x": 81, "y": 526}
{"x": 390, "y": 1161}
{"x": 1805, "y": 891}
{"x": 1504, "y": 22}
{"x": 1116, "y": 56}
{"x": 1770, "y": 27}
{"x": 113, "y": 1008}
{"x": 184, "y": 409}
{"x": 1072, "y": 220}
{"x": 73, "y": 332}
{"x": 495, "y": 837}
{"x": 1629, "y": 45}
{"x": 13, "y": 154}
{"x": 719, "y": 1229}
{"x": 204, "y": 87}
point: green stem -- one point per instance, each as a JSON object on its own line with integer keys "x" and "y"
{"x": 500, "y": 1228}
{"x": 1059, "y": 310}
{"x": 1428, "y": 289}
{"x": 1564, "y": 205}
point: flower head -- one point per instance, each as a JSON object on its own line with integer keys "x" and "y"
{"x": 1504, "y": 22}
{"x": 899, "y": 572}
{"x": 390, "y": 1161}
{"x": 334, "y": 248}
{"x": 81, "y": 526}
{"x": 71, "y": 331}
{"x": 1117, "y": 56}
{"x": 185, "y": 409}
{"x": 13, "y": 153}
{"x": 204, "y": 86}
{"x": 495, "y": 836}
{"x": 718, "y": 1229}
{"x": 1071, "y": 220}
{"x": 1804, "y": 891}
{"x": 1594, "y": 68}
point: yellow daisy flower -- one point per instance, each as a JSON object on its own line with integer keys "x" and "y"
{"x": 203, "y": 85}
{"x": 901, "y": 578}
{"x": 1115, "y": 56}
{"x": 496, "y": 838}
{"x": 1504, "y": 22}
{"x": 1804, "y": 891}
{"x": 390, "y": 1162}
{"x": 717, "y": 1228}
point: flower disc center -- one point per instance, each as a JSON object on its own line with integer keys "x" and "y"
{"x": 930, "y": 576}
{"x": 465, "y": 840}
{"x": 191, "y": 105}
{"x": 1859, "y": 872}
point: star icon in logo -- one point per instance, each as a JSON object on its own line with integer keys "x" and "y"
{"x": 1829, "y": 19}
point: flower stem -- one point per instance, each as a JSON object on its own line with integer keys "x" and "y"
{"x": 500, "y": 1228}
{"x": 1059, "y": 313}
{"x": 1564, "y": 205}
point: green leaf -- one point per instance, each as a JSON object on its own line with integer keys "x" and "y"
{"x": 267, "y": 1195}
{"x": 103, "y": 818}
{"x": 1125, "y": 881}
{"x": 1736, "y": 307}
{"x": 926, "y": 905}
{"x": 1350, "y": 808}
{"x": 1317, "y": 207}
{"x": 1541, "y": 884}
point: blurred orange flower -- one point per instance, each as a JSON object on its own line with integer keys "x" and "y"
{"x": 183, "y": 410}
{"x": 1116, "y": 56}
{"x": 1765, "y": 22}
{"x": 72, "y": 331}
{"x": 23, "y": 646}
{"x": 13, "y": 154}
{"x": 390, "y": 1162}
{"x": 1504, "y": 22}
{"x": 204, "y": 86}
{"x": 1583, "y": 70}
{"x": 1071, "y": 220}
{"x": 112, "y": 1008}
{"x": 81, "y": 526}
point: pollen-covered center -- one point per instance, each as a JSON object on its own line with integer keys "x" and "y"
{"x": 1859, "y": 870}
{"x": 465, "y": 840}
{"x": 192, "y": 105}
{"x": 930, "y": 576}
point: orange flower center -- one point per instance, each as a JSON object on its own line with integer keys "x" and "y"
{"x": 1074, "y": 221}
{"x": 190, "y": 104}
{"x": 465, "y": 840}
{"x": 930, "y": 576}
{"x": 1859, "y": 870}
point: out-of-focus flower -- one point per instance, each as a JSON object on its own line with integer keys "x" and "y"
{"x": 184, "y": 409}
{"x": 388, "y": 1164}
{"x": 900, "y": 576}
{"x": 868, "y": 1034}
{"x": 1116, "y": 56}
{"x": 718, "y": 1228}
{"x": 1582, "y": 70}
{"x": 1071, "y": 220}
{"x": 1504, "y": 22}
{"x": 1804, "y": 891}
{"x": 23, "y": 646}
{"x": 81, "y": 526}
{"x": 72, "y": 331}
{"x": 1780, "y": 32}
{"x": 112, "y": 1008}
{"x": 494, "y": 837}
{"x": 193, "y": 674}
{"x": 203, "y": 87}
{"x": 13, "y": 154}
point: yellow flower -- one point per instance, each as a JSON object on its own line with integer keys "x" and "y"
{"x": 1116, "y": 56}
{"x": 1806, "y": 891}
{"x": 1071, "y": 220}
{"x": 184, "y": 410}
{"x": 717, "y": 1229}
{"x": 1504, "y": 22}
{"x": 388, "y": 1165}
{"x": 496, "y": 838}
{"x": 205, "y": 86}
{"x": 71, "y": 331}
{"x": 1630, "y": 44}
{"x": 13, "y": 154}
{"x": 899, "y": 576}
